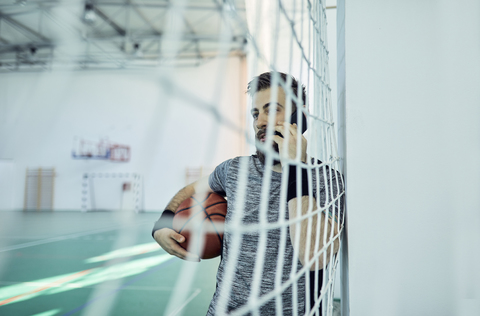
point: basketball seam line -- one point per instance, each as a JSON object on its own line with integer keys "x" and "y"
{"x": 192, "y": 206}
{"x": 204, "y": 209}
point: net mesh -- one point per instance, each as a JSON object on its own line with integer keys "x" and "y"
{"x": 287, "y": 36}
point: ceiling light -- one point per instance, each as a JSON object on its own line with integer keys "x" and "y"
{"x": 136, "y": 50}
{"x": 89, "y": 15}
{"x": 228, "y": 5}
{"x": 33, "y": 54}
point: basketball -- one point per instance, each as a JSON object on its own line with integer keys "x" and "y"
{"x": 200, "y": 219}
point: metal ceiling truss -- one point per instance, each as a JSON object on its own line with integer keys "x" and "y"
{"x": 94, "y": 34}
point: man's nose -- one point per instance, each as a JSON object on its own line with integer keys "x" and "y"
{"x": 262, "y": 120}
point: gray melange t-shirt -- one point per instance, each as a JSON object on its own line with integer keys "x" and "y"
{"x": 224, "y": 180}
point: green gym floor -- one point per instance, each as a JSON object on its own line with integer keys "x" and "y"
{"x": 95, "y": 263}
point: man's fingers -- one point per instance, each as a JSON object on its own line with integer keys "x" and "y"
{"x": 280, "y": 129}
{"x": 191, "y": 257}
{"x": 179, "y": 251}
{"x": 185, "y": 255}
{"x": 170, "y": 241}
{"x": 177, "y": 237}
{"x": 279, "y": 140}
{"x": 292, "y": 128}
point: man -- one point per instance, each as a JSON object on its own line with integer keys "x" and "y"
{"x": 244, "y": 288}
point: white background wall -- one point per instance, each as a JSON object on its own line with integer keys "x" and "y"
{"x": 41, "y": 113}
{"x": 411, "y": 95}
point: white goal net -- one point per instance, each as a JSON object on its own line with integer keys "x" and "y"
{"x": 283, "y": 37}
{"x": 112, "y": 191}
{"x": 167, "y": 78}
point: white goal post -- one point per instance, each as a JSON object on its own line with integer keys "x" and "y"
{"x": 112, "y": 191}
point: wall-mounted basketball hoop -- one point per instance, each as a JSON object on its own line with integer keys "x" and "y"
{"x": 102, "y": 150}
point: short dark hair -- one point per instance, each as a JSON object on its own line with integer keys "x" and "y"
{"x": 264, "y": 81}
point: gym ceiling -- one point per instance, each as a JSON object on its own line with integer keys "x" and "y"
{"x": 39, "y": 35}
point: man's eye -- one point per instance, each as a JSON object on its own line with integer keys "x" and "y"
{"x": 255, "y": 115}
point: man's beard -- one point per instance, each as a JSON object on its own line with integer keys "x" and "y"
{"x": 261, "y": 154}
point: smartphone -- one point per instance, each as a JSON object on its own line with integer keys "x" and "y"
{"x": 293, "y": 120}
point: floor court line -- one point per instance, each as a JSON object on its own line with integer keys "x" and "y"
{"x": 132, "y": 288}
{"x": 109, "y": 293}
{"x": 179, "y": 309}
{"x": 64, "y": 237}
{"x": 46, "y": 287}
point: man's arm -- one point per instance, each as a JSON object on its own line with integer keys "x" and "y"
{"x": 308, "y": 228}
{"x": 168, "y": 238}
{"x": 305, "y": 254}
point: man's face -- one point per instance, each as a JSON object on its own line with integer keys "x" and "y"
{"x": 260, "y": 111}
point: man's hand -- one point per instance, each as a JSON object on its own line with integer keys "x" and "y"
{"x": 169, "y": 240}
{"x": 292, "y": 142}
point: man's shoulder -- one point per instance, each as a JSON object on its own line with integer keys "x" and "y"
{"x": 327, "y": 170}
{"x": 235, "y": 166}
{"x": 237, "y": 162}
{"x": 238, "y": 159}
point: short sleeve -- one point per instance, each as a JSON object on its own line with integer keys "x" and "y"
{"x": 218, "y": 178}
{"x": 333, "y": 193}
